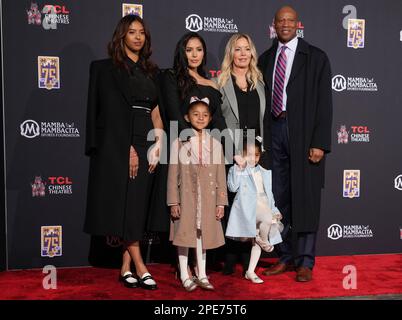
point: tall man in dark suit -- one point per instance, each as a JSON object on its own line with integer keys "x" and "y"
{"x": 298, "y": 80}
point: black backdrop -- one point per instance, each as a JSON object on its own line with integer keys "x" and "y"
{"x": 3, "y": 245}
{"x": 367, "y": 103}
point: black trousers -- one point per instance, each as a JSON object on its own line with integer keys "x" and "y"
{"x": 297, "y": 248}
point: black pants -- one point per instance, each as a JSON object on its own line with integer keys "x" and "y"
{"x": 237, "y": 251}
{"x": 296, "y": 248}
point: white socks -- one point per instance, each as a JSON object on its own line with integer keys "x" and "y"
{"x": 183, "y": 262}
{"x": 150, "y": 282}
{"x": 201, "y": 260}
{"x": 254, "y": 257}
{"x": 130, "y": 279}
{"x": 264, "y": 230}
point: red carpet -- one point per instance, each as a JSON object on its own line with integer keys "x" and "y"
{"x": 376, "y": 274}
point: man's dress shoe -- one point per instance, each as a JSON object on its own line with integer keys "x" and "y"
{"x": 304, "y": 274}
{"x": 277, "y": 268}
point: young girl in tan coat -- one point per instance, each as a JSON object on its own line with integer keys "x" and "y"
{"x": 196, "y": 194}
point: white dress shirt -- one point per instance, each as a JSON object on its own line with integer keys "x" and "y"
{"x": 290, "y": 56}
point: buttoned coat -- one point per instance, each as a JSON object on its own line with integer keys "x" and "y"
{"x": 309, "y": 122}
{"x": 182, "y": 189}
{"x": 109, "y": 131}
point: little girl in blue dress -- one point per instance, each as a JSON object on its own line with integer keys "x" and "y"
{"x": 253, "y": 214}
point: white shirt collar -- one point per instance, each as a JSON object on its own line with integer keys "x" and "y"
{"x": 292, "y": 44}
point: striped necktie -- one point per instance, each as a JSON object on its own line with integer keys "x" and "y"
{"x": 279, "y": 83}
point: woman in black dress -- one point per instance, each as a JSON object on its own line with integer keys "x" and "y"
{"x": 188, "y": 79}
{"x": 122, "y": 109}
{"x": 178, "y": 85}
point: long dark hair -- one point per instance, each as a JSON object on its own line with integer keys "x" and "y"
{"x": 180, "y": 64}
{"x": 116, "y": 46}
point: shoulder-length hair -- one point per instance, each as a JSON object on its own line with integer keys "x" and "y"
{"x": 180, "y": 64}
{"x": 253, "y": 75}
{"x": 116, "y": 47}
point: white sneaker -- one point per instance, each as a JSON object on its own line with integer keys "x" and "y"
{"x": 252, "y": 276}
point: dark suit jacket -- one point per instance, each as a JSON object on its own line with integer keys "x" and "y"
{"x": 309, "y": 119}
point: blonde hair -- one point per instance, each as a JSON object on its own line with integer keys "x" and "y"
{"x": 253, "y": 75}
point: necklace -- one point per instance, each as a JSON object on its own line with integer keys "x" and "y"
{"x": 242, "y": 88}
{"x": 239, "y": 83}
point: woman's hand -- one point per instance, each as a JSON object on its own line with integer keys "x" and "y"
{"x": 175, "y": 211}
{"x": 155, "y": 152}
{"x": 154, "y": 157}
{"x": 220, "y": 211}
{"x": 133, "y": 163}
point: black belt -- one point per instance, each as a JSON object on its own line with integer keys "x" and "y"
{"x": 148, "y": 110}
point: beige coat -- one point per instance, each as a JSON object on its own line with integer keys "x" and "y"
{"x": 182, "y": 188}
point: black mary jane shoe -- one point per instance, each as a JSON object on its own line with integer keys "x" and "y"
{"x": 128, "y": 284}
{"x": 146, "y": 276}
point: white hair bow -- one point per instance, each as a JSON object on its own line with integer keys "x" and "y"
{"x": 205, "y": 100}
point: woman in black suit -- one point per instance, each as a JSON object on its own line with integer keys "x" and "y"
{"x": 122, "y": 109}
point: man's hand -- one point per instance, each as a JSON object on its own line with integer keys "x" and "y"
{"x": 316, "y": 155}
